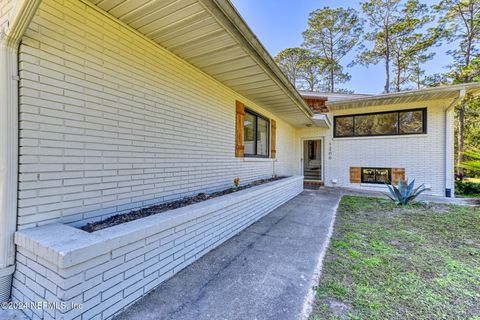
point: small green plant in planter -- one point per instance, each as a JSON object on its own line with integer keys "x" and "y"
{"x": 405, "y": 192}
{"x": 236, "y": 182}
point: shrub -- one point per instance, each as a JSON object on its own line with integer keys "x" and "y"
{"x": 236, "y": 182}
{"x": 467, "y": 188}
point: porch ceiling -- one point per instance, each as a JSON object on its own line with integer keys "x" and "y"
{"x": 211, "y": 35}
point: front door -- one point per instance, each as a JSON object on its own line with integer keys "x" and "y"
{"x": 312, "y": 160}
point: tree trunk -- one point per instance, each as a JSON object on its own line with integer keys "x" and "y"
{"x": 418, "y": 78}
{"x": 397, "y": 84}
{"x": 387, "y": 59}
{"x": 332, "y": 81}
{"x": 460, "y": 138}
{"x": 387, "y": 76}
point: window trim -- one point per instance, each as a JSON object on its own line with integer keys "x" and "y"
{"x": 424, "y": 123}
{"x": 375, "y": 168}
{"x": 258, "y": 115}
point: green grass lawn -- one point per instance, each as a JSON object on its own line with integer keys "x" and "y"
{"x": 388, "y": 262}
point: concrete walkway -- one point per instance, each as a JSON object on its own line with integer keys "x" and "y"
{"x": 265, "y": 272}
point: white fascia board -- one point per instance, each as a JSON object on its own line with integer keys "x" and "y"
{"x": 321, "y": 120}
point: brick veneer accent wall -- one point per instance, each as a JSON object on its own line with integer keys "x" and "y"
{"x": 107, "y": 270}
{"x": 110, "y": 122}
{"x": 317, "y": 104}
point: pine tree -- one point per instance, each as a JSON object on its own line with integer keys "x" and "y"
{"x": 331, "y": 34}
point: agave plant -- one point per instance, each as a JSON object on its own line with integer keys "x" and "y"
{"x": 405, "y": 192}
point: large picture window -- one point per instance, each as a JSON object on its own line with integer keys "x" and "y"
{"x": 257, "y": 135}
{"x": 381, "y": 124}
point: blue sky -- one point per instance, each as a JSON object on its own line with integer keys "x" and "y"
{"x": 279, "y": 24}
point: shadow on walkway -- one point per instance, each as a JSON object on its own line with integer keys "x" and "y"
{"x": 265, "y": 272}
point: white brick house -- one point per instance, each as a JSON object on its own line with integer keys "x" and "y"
{"x": 109, "y": 106}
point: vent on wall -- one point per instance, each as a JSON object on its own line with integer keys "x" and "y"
{"x": 5, "y": 286}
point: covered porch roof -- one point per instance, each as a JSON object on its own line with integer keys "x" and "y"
{"x": 450, "y": 92}
{"x": 212, "y": 36}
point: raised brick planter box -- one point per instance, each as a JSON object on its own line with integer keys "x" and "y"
{"x": 105, "y": 271}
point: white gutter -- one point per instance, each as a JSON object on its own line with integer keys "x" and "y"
{"x": 450, "y": 144}
{"x": 19, "y": 19}
{"x": 392, "y": 98}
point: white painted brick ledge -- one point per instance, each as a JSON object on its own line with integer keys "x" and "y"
{"x": 98, "y": 270}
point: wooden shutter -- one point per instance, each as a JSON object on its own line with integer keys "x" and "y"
{"x": 273, "y": 139}
{"x": 397, "y": 175}
{"x": 355, "y": 174}
{"x": 239, "y": 130}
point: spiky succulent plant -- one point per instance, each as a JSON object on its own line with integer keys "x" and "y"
{"x": 404, "y": 192}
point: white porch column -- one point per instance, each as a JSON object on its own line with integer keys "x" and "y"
{"x": 18, "y": 21}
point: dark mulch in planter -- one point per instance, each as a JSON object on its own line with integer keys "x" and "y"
{"x": 145, "y": 212}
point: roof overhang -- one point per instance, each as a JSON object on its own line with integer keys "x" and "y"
{"x": 212, "y": 36}
{"x": 331, "y": 96}
{"x": 321, "y": 120}
{"x": 450, "y": 92}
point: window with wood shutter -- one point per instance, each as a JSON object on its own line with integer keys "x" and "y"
{"x": 273, "y": 133}
{"x": 355, "y": 174}
{"x": 376, "y": 175}
{"x": 239, "y": 130}
{"x": 256, "y": 135}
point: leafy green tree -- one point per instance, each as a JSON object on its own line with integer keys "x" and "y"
{"x": 291, "y": 61}
{"x": 461, "y": 23}
{"x": 435, "y": 80}
{"x": 417, "y": 74}
{"x": 331, "y": 34}
{"x": 312, "y": 74}
{"x": 409, "y": 46}
{"x": 471, "y": 159}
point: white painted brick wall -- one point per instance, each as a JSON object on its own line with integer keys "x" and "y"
{"x": 108, "y": 270}
{"x": 110, "y": 122}
{"x": 422, "y": 156}
{"x": 5, "y": 8}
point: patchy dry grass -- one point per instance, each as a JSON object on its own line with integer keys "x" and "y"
{"x": 415, "y": 262}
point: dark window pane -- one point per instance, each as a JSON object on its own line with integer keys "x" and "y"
{"x": 368, "y": 175}
{"x": 376, "y": 124}
{"x": 385, "y": 123}
{"x": 344, "y": 127}
{"x": 363, "y": 125}
{"x": 249, "y": 126}
{"x": 411, "y": 121}
{"x": 382, "y": 175}
{"x": 256, "y": 131}
{"x": 262, "y": 137}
